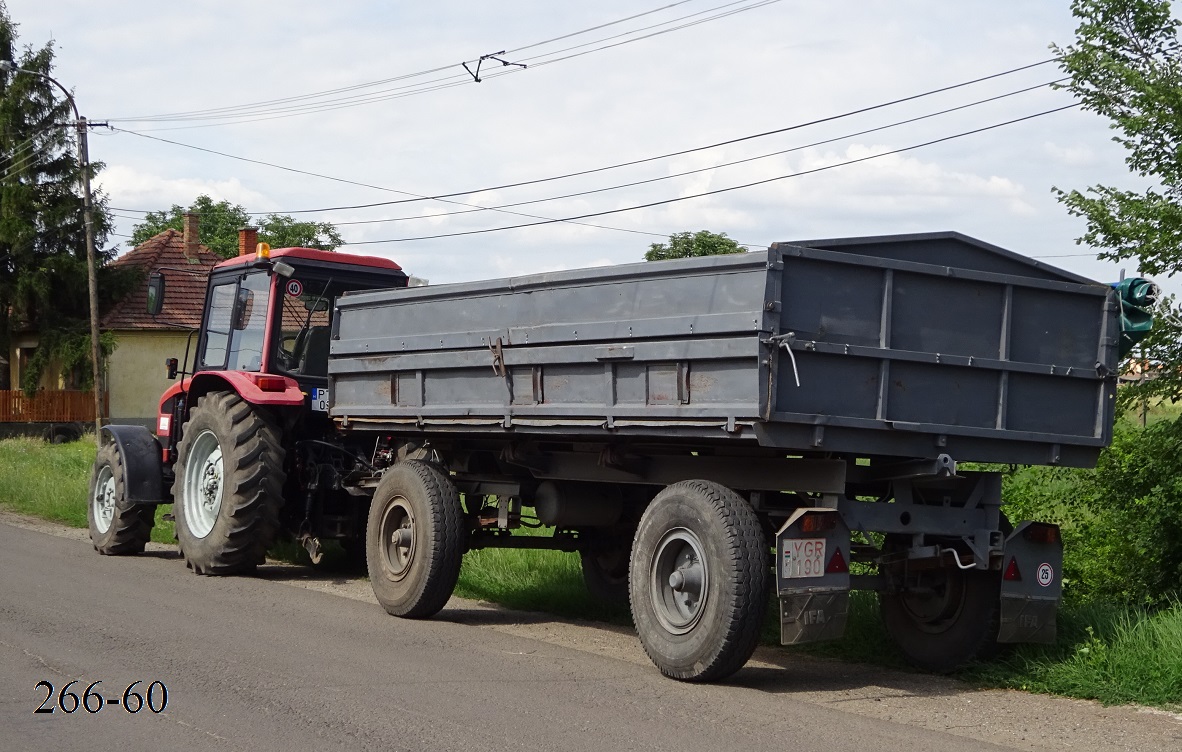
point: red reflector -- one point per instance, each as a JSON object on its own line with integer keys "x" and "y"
{"x": 818, "y": 523}
{"x": 837, "y": 564}
{"x": 1042, "y": 533}
{"x": 271, "y": 383}
{"x": 1012, "y": 574}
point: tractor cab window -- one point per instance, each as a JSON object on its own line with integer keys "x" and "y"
{"x": 305, "y": 325}
{"x": 236, "y": 324}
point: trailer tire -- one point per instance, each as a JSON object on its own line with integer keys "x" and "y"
{"x": 116, "y": 527}
{"x": 229, "y": 485}
{"x": 699, "y": 532}
{"x": 415, "y": 539}
{"x": 954, "y": 624}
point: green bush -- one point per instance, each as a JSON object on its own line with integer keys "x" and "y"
{"x": 1122, "y": 522}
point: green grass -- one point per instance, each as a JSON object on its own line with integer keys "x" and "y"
{"x": 548, "y": 581}
{"x": 46, "y": 480}
{"x": 1106, "y": 653}
{"x": 51, "y": 481}
{"x": 1114, "y": 655}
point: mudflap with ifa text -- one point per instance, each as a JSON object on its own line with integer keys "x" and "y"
{"x": 1031, "y": 583}
{"x": 813, "y": 576}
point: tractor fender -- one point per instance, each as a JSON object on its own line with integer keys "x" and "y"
{"x": 247, "y": 386}
{"x": 142, "y": 463}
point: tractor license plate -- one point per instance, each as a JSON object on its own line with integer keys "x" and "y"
{"x": 803, "y": 557}
{"x": 320, "y": 400}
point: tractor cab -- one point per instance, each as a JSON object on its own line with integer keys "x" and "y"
{"x": 266, "y": 329}
{"x": 271, "y": 312}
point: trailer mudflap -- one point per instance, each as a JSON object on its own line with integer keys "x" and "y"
{"x": 813, "y": 576}
{"x": 1031, "y": 583}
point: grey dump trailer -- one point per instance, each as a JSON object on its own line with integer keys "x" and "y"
{"x": 704, "y": 431}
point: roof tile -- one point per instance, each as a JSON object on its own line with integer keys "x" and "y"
{"x": 185, "y": 292}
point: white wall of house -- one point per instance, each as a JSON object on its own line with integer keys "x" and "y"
{"x": 136, "y": 376}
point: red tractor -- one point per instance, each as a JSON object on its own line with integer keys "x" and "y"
{"x": 245, "y": 428}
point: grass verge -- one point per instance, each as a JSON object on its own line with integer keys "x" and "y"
{"x": 1105, "y": 653}
{"x": 51, "y": 481}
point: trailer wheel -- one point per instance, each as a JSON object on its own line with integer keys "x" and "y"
{"x": 116, "y": 527}
{"x": 942, "y": 618}
{"x": 415, "y": 539}
{"x": 229, "y": 485}
{"x": 698, "y": 581}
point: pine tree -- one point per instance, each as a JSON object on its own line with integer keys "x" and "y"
{"x": 43, "y": 273}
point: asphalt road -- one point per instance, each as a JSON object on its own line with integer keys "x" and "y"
{"x": 294, "y": 660}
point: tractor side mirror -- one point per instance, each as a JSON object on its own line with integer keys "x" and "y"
{"x": 171, "y": 364}
{"x": 155, "y": 293}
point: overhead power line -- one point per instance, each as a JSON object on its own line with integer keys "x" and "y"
{"x": 703, "y": 194}
{"x": 443, "y": 197}
{"x": 684, "y": 173}
{"x": 357, "y": 94}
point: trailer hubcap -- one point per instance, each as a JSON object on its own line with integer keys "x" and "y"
{"x": 203, "y": 484}
{"x": 398, "y": 538}
{"x": 935, "y": 601}
{"x": 104, "y": 499}
{"x": 679, "y": 581}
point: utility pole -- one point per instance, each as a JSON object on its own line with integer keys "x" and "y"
{"x": 8, "y": 66}
{"x": 91, "y": 275}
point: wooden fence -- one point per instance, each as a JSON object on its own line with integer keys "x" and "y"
{"x": 47, "y": 407}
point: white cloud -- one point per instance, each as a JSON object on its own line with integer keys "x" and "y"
{"x": 1076, "y": 155}
{"x": 129, "y": 187}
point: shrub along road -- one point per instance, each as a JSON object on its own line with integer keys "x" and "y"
{"x": 293, "y": 659}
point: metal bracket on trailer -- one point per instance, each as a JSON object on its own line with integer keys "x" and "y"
{"x": 813, "y": 576}
{"x": 1031, "y": 583}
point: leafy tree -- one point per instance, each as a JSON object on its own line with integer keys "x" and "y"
{"x": 690, "y": 245}
{"x": 1126, "y": 65}
{"x": 281, "y": 231}
{"x": 221, "y": 221}
{"x": 43, "y": 268}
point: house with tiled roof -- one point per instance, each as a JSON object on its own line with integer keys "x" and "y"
{"x": 135, "y": 374}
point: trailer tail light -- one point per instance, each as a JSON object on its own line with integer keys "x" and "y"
{"x": 818, "y": 523}
{"x": 1012, "y": 574}
{"x": 271, "y": 383}
{"x": 837, "y": 564}
{"x": 1039, "y": 532}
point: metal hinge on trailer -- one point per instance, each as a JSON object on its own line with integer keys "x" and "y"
{"x": 813, "y": 576}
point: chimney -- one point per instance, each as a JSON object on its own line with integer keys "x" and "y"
{"x": 248, "y": 240}
{"x": 192, "y": 238}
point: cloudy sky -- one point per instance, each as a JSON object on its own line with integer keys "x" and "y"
{"x": 608, "y": 82}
